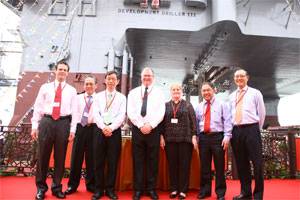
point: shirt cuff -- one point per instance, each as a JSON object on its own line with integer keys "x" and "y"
{"x": 227, "y": 137}
{"x": 73, "y": 129}
{"x": 34, "y": 126}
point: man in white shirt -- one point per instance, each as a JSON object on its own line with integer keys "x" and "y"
{"x": 109, "y": 113}
{"x": 145, "y": 109}
{"x": 82, "y": 146}
{"x": 53, "y": 125}
{"x": 248, "y": 115}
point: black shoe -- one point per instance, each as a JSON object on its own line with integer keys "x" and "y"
{"x": 92, "y": 190}
{"x": 40, "y": 195}
{"x": 152, "y": 194}
{"x": 70, "y": 190}
{"x": 111, "y": 195}
{"x": 203, "y": 195}
{"x": 173, "y": 195}
{"x": 59, "y": 195}
{"x": 220, "y": 198}
{"x": 181, "y": 196}
{"x": 243, "y": 196}
{"x": 97, "y": 195}
{"x": 137, "y": 195}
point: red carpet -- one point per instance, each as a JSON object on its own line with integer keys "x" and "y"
{"x": 23, "y": 188}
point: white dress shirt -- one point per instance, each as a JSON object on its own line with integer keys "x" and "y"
{"x": 115, "y": 109}
{"x": 81, "y": 103}
{"x": 45, "y": 101}
{"x": 253, "y": 108}
{"x": 155, "y": 106}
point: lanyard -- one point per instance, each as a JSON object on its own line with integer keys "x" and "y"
{"x": 175, "y": 108}
{"x": 108, "y": 104}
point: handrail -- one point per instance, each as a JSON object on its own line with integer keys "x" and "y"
{"x": 18, "y": 151}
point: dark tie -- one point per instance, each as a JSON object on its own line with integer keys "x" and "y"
{"x": 144, "y": 105}
{"x": 57, "y": 102}
{"x": 207, "y": 118}
{"x": 84, "y": 119}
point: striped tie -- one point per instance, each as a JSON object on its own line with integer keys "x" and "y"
{"x": 84, "y": 119}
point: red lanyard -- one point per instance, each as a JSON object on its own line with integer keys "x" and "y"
{"x": 175, "y": 108}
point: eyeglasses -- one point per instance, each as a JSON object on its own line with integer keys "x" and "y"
{"x": 240, "y": 76}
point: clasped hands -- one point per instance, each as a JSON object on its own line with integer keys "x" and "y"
{"x": 146, "y": 129}
{"x": 107, "y": 131}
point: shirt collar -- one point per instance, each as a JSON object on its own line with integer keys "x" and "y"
{"x": 86, "y": 95}
{"x": 108, "y": 92}
{"x": 56, "y": 82}
{"x": 149, "y": 87}
{"x": 243, "y": 89}
{"x": 211, "y": 101}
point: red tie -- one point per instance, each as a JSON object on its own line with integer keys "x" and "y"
{"x": 207, "y": 118}
{"x": 57, "y": 101}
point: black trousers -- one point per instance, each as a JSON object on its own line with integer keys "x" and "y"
{"x": 247, "y": 146}
{"x": 82, "y": 148}
{"x": 52, "y": 134}
{"x": 179, "y": 155}
{"x": 106, "y": 151}
{"x": 210, "y": 146}
{"x": 145, "y": 154}
{"x": 1, "y": 151}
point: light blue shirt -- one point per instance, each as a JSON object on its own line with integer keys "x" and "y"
{"x": 253, "y": 108}
{"x": 220, "y": 116}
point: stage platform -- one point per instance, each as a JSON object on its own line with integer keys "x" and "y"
{"x": 23, "y": 188}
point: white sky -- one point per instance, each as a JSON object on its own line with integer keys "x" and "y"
{"x": 288, "y": 108}
{"x": 10, "y": 62}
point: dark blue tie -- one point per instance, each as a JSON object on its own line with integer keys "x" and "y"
{"x": 144, "y": 105}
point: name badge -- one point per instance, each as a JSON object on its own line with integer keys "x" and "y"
{"x": 56, "y": 104}
{"x": 107, "y": 118}
{"x": 174, "y": 120}
{"x": 85, "y": 114}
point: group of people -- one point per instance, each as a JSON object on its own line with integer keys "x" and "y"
{"x": 94, "y": 122}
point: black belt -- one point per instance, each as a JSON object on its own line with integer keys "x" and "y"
{"x": 245, "y": 125}
{"x": 60, "y": 118}
{"x": 211, "y": 133}
{"x": 88, "y": 125}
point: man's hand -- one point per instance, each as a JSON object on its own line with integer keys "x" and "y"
{"x": 146, "y": 129}
{"x": 71, "y": 136}
{"x": 195, "y": 142}
{"x": 225, "y": 142}
{"x": 34, "y": 134}
{"x": 162, "y": 142}
{"x": 107, "y": 131}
